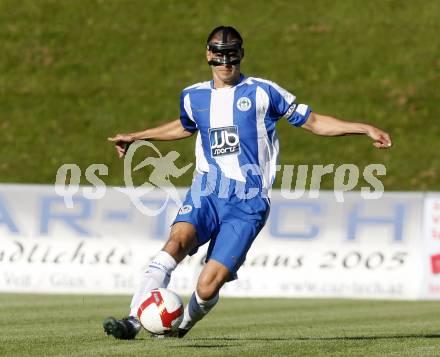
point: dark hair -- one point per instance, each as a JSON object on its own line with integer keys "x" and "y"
{"x": 227, "y": 31}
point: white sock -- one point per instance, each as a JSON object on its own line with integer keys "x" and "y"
{"x": 196, "y": 310}
{"x": 157, "y": 276}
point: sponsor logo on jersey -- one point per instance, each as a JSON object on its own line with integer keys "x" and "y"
{"x": 224, "y": 141}
{"x": 244, "y": 104}
{"x": 185, "y": 209}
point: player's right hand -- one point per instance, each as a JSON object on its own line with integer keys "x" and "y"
{"x": 382, "y": 139}
{"x": 122, "y": 141}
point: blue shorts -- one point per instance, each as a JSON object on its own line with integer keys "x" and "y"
{"x": 230, "y": 223}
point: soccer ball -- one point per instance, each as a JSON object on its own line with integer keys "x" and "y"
{"x": 161, "y": 311}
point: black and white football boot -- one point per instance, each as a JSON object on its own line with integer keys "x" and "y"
{"x": 125, "y": 329}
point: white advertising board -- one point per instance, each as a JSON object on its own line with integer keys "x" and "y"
{"x": 308, "y": 248}
{"x": 431, "y": 258}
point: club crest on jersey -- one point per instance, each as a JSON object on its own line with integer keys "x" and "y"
{"x": 224, "y": 141}
{"x": 244, "y": 104}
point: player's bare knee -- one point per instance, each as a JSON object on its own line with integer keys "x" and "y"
{"x": 181, "y": 241}
{"x": 207, "y": 291}
{"x": 208, "y": 285}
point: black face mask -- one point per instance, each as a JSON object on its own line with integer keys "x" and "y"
{"x": 224, "y": 53}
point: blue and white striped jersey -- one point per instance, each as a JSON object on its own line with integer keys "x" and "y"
{"x": 236, "y": 127}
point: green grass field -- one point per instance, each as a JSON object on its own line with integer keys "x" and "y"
{"x": 73, "y": 73}
{"x": 49, "y": 325}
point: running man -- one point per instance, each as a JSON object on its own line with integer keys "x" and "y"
{"x": 234, "y": 117}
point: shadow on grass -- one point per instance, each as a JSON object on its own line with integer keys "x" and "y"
{"x": 209, "y": 342}
{"x": 330, "y": 338}
{"x": 193, "y": 342}
{"x": 203, "y": 346}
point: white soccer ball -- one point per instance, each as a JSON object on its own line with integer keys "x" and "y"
{"x": 161, "y": 311}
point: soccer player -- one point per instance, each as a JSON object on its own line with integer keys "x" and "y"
{"x": 234, "y": 117}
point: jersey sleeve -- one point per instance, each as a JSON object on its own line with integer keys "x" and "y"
{"x": 283, "y": 104}
{"x": 186, "y": 116}
{"x": 298, "y": 114}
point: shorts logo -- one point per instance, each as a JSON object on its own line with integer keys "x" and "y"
{"x": 244, "y": 104}
{"x": 224, "y": 141}
{"x": 185, "y": 209}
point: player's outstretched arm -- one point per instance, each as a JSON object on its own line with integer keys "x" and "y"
{"x": 172, "y": 130}
{"x": 330, "y": 126}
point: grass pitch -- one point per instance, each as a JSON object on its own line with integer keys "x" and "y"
{"x": 59, "y": 325}
{"x": 74, "y": 72}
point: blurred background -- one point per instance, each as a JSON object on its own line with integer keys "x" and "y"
{"x": 73, "y": 73}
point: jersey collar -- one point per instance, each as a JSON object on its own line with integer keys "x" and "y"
{"x": 239, "y": 83}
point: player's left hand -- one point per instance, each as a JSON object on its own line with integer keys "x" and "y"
{"x": 382, "y": 139}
